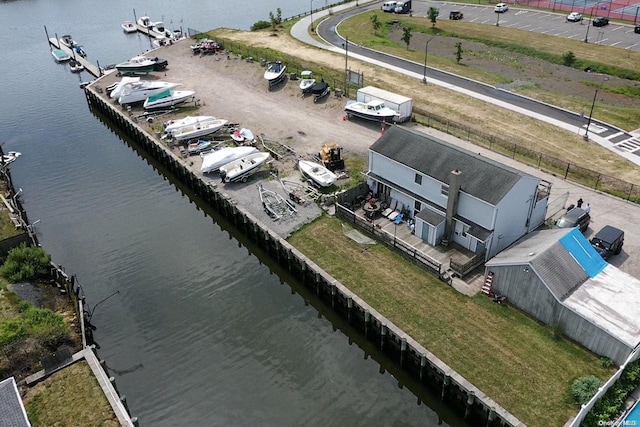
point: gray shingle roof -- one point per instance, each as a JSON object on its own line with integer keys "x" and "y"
{"x": 11, "y": 409}
{"x": 481, "y": 177}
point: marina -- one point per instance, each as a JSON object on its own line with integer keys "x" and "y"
{"x": 91, "y": 68}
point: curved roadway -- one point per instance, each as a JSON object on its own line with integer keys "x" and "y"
{"x": 605, "y": 134}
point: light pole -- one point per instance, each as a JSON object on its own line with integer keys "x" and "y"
{"x": 346, "y": 69}
{"x": 593, "y": 104}
{"x": 586, "y": 36}
{"x": 426, "y": 51}
{"x": 311, "y": 8}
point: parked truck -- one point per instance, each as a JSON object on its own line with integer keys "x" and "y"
{"x": 402, "y": 104}
{"x": 403, "y": 7}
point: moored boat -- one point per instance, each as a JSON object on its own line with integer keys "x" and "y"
{"x": 11, "y": 156}
{"x": 60, "y": 55}
{"x": 317, "y": 173}
{"x": 214, "y": 160}
{"x": 167, "y": 98}
{"x": 137, "y": 64}
{"x": 129, "y": 27}
{"x": 373, "y": 110}
{"x": 242, "y": 168}
{"x": 75, "y": 66}
{"x": 198, "y": 129}
{"x": 68, "y": 41}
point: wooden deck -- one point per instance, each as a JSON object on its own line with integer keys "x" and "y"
{"x": 91, "y": 68}
{"x": 470, "y": 285}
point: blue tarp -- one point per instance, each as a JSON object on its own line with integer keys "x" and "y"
{"x": 578, "y": 246}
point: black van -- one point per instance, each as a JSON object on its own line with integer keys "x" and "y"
{"x": 608, "y": 241}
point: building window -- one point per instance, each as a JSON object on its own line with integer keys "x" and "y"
{"x": 418, "y": 179}
{"x": 444, "y": 190}
{"x": 417, "y": 206}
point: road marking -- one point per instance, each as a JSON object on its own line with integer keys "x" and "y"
{"x": 559, "y": 34}
{"x": 535, "y": 29}
{"x": 618, "y": 28}
{"x": 630, "y": 145}
{"x": 603, "y": 40}
{"x": 544, "y": 32}
{"x": 572, "y": 36}
{"x": 595, "y": 128}
{"x": 525, "y": 26}
{"x": 632, "y": 46}
{"x": 521, "y": 12}
{"x": 615, "y": 44}
{"x": 615, "y": 135}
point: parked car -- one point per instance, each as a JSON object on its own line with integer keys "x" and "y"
{"x": 455, "y": 15}
{"x": 501, "y": 8}
{"x": 608, "y": 241}
{"x": 637, "y": 29}
{"x": 574, "y": 17}
{"x": 600, "y": 21}
{"x": 576, "y": 217}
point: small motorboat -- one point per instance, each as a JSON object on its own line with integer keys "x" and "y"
{"x": 373, "y": 110}
{"x": 198, "y": 129}
{"x": 173, "y": 125}
{"x": 320, "y": 90}
{"x": 75, "y": 66}
{"x": 60, "y": 55}
{"x": 243, "y": 136}
{"x": 307, "y": 81}
{"x": 275, "y": 73}
{"x": 168, "y": 98}
{"x": 129, "y": 27}
{"x": 242, "y": 168}
{"x": 317, "y": 173}
{"x": 198, "y": 147}
{"x": 214, "y": 160}
{"x": 136, "y": 65}
{"x": 68, "y": 41}
{"x": 11, "y": 156}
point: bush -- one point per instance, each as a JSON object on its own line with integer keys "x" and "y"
{"x": 606, "y": 362}
{"x": 569, "y": 59}
{"x": 26, "y": 263}
{"x": 46, "y": 326}
{"x": 260, "y": 25}
{"x": 584, "y": 388}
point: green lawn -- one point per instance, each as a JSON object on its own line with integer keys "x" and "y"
{"x": 509, "y": 356}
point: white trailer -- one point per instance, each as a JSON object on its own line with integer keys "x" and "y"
{"x": 402, "y": 104}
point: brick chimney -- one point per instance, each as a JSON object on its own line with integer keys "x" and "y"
{"x": 452, "y": 202}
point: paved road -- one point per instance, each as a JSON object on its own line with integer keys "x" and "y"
{"x": 618, "y": 140}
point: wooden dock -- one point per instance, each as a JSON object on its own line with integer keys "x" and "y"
{"x": 91, "y": 68}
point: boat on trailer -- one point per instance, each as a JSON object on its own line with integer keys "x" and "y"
{"x": 168, "y": 98}
{"x": 242, "y": 168}
{"x": 214, "y": 160}
{"x": 243, "y": 136}
{"x": 373, "y": 110}
{"x": 307, "y": 82}
{"x": 275, "y": 73}
{"x": 320, "y": 90}
{"x": 198, "y": 129}
{"x": 173, "y": 125}
{"x": 317, "y": 173}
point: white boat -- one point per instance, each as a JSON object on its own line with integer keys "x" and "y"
{"x": 129, "y": 27}
{"x": 275, "y": 73}
{"x": 373, "y": 110}
{"x": 137, "y": 64}
{"x": 242, "y": 136}
{"x": 75, "y": 66}
{"x": 68, "y": 41}
{"x": 173, "y": 125}
{"x": 214, "y": 160}
{"x": 11, "y": 156}
{"x": 199, "y": 129}
{"x": 242, "y": 168}
{"x": 60, "y": 55}
{"x": 141, "y": 90}
{"x": 317, "y": 173}
{"x": 307, "y": 81}
{"x": 151, "y": 28}
{"x": 115, "y": 89}
{"x": 168, "y": 98}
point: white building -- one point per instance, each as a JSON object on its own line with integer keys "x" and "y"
{"x": 455, "y": 195}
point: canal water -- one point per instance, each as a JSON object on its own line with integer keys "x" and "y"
{"x": 195, "y": 328}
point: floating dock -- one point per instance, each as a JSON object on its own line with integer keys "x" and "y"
{"x": 91, "y": 68}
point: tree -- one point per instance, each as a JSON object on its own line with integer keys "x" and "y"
{"x": 458, "y": 52}
{"x": 406, "y": 36}
{"x": 375, "y": 22}
{"x": 26, "y": 263}
{"x": 433, "y": 15}
{"x": 569, "y": 59}
{"x": 279, "y": 16}
{"x": 273, "y": 20}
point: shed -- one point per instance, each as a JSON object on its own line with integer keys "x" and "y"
{"x": 558, "y": 277}
{"x": 400, "y": 103}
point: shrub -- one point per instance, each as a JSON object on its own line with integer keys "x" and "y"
{"x": 606, "y": 362}
{"x": 46, "y": 326}
{"x": 260, "y": 25}
{"x": 569, "y": 59}
{"x": 26, "y": 263}
{"x": 584, "y": 388}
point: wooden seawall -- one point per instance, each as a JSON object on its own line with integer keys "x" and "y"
{"x": 409, "y": 355}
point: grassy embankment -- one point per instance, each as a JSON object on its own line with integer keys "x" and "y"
{"x": 511, "y": 357}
